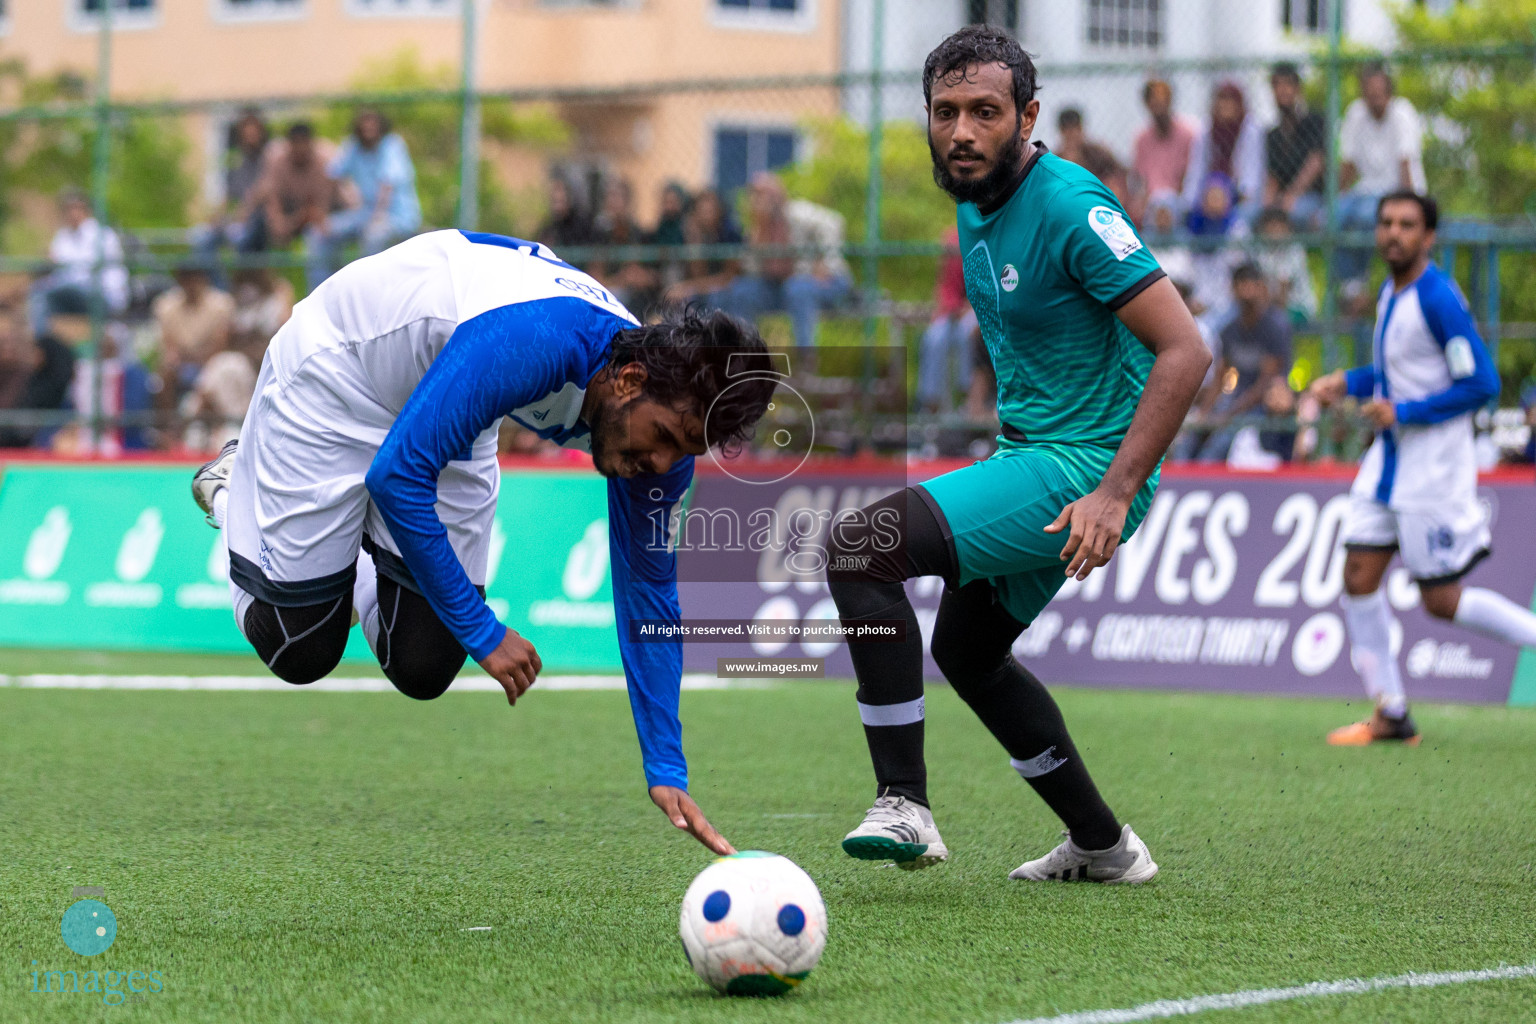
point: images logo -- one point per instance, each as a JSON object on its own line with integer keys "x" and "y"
{"x": 89, "y": 927}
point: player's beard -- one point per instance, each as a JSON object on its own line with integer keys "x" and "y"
{"x": 987, "y": 187}
{"x": 610, "y": 436}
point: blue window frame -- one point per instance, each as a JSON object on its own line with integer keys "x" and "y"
{"x": 742, "y": 152}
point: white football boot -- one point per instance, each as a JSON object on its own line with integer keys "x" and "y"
{"x": 1126, "y": 862}
{"x": 899, "y": 830}
{"x": 212, "y": 478}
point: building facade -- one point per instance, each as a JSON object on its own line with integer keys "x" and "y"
{"x": 226, "y": 53}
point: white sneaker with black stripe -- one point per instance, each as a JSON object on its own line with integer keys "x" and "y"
{"x": 896, "y": 829}
{"x": 213, "y": 477}
{"x": 1127, "y": 862}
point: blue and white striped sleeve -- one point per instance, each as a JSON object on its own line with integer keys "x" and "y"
{"x": 644, "y": 567}
{"x": 493, "y": 363}
{"x": 1474, "y": 379}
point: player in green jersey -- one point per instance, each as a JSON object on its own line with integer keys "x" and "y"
{"x": 1097, "y": 363}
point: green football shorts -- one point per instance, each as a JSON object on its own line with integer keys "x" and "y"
{"x": 994, "y": 513}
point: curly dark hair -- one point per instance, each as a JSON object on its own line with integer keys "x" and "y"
{"x": 981, "y": 44}
{"x": 708, "y": 361}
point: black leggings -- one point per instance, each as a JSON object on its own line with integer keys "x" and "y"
{"x": 972, "y": 644}
{"x": 304, "y": 643}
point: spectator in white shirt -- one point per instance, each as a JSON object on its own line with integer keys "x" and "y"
{"x": 1231, "y": 144}
{"x": 815, "y": 277}
{"x": 1381, "y": 149}
{"x": 74, "y": 251}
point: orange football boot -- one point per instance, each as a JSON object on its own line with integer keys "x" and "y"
{"x": 1379, "y": 728}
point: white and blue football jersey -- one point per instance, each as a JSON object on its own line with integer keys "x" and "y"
{"x": 410, "y": 358}
{"x": 1431, "y": 363}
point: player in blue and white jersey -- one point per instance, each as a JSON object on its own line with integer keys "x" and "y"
{"x": 1416, "y": 493}
{"x": 363, "y": 486}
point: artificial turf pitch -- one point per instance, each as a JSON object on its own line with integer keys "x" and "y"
{"x": 319, "y": 857}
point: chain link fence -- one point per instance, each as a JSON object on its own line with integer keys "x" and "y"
{"x": 649, "y": 187}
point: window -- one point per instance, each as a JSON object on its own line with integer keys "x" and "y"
{"x": 1002, "y": 13}
{"x": 790, "y": 6}
{"x": 780, "y": 15}
{"x": 86, "y": 14}
{"x": 5, "y": 23}
{"x": 743, "y": 152}
{"x": 1307, "y": 15}
{"x": 1127, "y": 24}
{"x": 257, "y": 10}
{"x": 402, "y": 8}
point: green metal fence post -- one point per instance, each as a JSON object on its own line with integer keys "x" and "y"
{"x": 469, "y": 125}
{"x": 1331, "y": 188}
{"x": 872, "y": 195}
{"x": 101, "y": 176}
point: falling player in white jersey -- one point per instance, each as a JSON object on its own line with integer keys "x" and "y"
{"x": 1416, "y": 493}
{"x": 364, "y": 483}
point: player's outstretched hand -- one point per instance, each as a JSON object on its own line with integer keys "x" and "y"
{"x": 514, "y": 664}
{"x": 1096, "y": 520}
{"x": 681, "y": 811}
{"x": 1329, "y": 388}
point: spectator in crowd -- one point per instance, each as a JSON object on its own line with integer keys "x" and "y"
{"x": 1232, "y": 144}
{"x": 216, "y": 406}
{"x": 1284, "y": 263}
{"x": 77, "y": 245}
{"x": 194, "y": 320}
{"x": 247, "y": 157}
{"x": 564, "y": 223}
{"x": 631, "y": 281}
{"x": 815, "y": 278}
{"x": 296, "y": 193}
{"x": 1294, "y": 151}
{"x": 35, "y": 375}
{"x": 1216, "y": 232}
{"x": 263, "y": 303}
{"x": 1072, "y": 142}
{"x": 1162, "y": 149}
{"x": 671, "y": 226}
{"x": 947, "y": 341}
{"x": 1255, "y": 350}
{"x": 377, "y": 180}
{"x": 707, "y": 223}
{"x": 1094, "y": 157}
{"x": 1381, "y": 147}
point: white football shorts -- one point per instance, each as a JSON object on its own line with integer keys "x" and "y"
{"x": 298, "y": 506}
{"x": 1437, "y": 547}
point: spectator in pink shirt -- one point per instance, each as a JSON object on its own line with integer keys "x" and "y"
{"x": 1161, "y": 155}
{"x": 948, "y": 337}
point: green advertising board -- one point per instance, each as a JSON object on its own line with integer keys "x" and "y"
{"x": 119, "y": 557}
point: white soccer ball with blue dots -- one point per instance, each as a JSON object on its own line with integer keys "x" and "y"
{"x": 753, "y": 924}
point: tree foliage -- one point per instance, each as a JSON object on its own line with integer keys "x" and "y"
{"x": 431, "y": 128}
{"x": 1483, "y": 161}
{"x": 149, "y": 185}
{"x": 912, "y": 209}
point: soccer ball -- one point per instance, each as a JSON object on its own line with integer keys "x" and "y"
{"x": 753, "y": 924}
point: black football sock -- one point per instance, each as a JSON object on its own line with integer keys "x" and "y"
{"x": 865, "y": 573}
{"x": 972, "y": 640}
{"x": 890, "y": 693}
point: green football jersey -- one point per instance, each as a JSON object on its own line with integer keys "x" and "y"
{"x": 1045, "y": 273}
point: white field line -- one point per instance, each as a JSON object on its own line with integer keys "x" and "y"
{"x": 1165, "y": 1008}
{"x": 466, "y": 684}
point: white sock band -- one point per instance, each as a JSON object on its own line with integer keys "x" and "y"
{"x": 1038, "y": 766}
{"x": 1370, "y": 638}
{"x": 1492, "y": 614}
{"x": 220, "y": 506}
{"x": 904, "y": 713}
